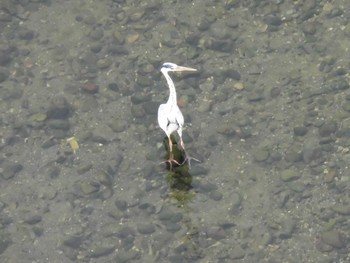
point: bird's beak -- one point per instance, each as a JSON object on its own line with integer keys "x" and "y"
{"x": 180, "y": 68}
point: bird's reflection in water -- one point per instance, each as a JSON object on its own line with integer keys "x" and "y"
{"x": 178, "y": 177}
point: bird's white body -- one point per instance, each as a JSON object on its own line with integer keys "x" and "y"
{"x": 170, "y": 118}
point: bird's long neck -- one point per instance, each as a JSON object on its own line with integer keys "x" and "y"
{"x": 172, "y": 95}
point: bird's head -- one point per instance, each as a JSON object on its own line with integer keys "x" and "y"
{"x": 168, "y": 66}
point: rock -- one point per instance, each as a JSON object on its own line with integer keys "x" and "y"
{"x": 73, "y": 241}
{"x": 146, "y": 229}
{"x": 101, "y": 250}
{"x": 341, "y": 209}
{"x": 215, "y": 195}
{"x": 237, "y": 252}
{"x": 4, "y": 74}
{"x": 58, "y": 108}
{"x": 327, "y": 128}
{"x": 300, "y": 131}
{"x": 33, "y": 219}
{"x": 127, "y": 256}
{"x": 58, "y": 124}
{"x": 10, "y": 169}
{"x": 236, "y": 201}
{"x": 333, "y": 238}
{"x": 89, "y": 187}
{"x": 5, "y": 241}
{"x": 289, "y": 175}
{"x": 216, "y": 232}
{"x": 261, "y": 155}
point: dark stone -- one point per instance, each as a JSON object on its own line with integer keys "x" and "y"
{"x": 327, "y": 128}
{"x": 310, "y": 154}
{"x": 222, "y": 45}
{"x": 113, "y": 86}
{"x": 73, "y": 241}
{"x": 59, "y": 108}
{"x": 25, "y": 34}
{"x": 33, "y": 219}
{"x": 273, "y": 20}
{"x": 4, "y": 74}
{"x": 300, "y": 131}
{"x": 151, "y": 107}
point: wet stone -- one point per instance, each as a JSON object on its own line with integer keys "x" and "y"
{"x": 171, "y": 227}
{"x": 287, "y": 228}
{"x": 89, "y": 187}
{"x": 215, "y": 195}
{"x": 118, "y": 125}
{"x": 236, "y": 201}
{"x": 151, "y": 107}
{"x": 100, "y": 251}
{"x": 289, "y": 175}
{"x": 5, "y": 241}
{"x": 10, "y": 169}
{"x": 165, "y": 214}
{"x": 237, "y": 252}
{"x": 310, "y": 154}
{"x": 146, "y": 229}
{"x": 25, "y": 34}
{"x": 58, "y": 124}
{"x": 333, "y": 238}
{"x": 4, "y": 74}
{"x": 104, "y": 63}
{"x": 58, "y": 108}
{"x": 327, "y": 128}
{"x": 341, "y": 209}
{"x": 73, "y": 241}
{"x": 33, "y": 219}
{"x": 255, "y": 96}
{"x": 300, "y": 131}
{"x": 216, "y": 232}
{"x": 113, "y": 86}
{"x": 126, "y": 256}
{"x": 261, "y": 155}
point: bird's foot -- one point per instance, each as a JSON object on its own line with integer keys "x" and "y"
{"x": 170, "y": 161}
{"x": 188, "y": 159}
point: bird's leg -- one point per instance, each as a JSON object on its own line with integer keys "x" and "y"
{"x": 187, "y": 157}
{"x": 171, "y": 159}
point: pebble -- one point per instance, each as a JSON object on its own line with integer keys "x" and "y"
{"x": 73, "y": 241}
{"x": 132, "y": 38}
{"x": 104, "y": 63}
{"x": 146, "y": 229}
{"x": 33, "y": 219}
{"x": 300, "y": 130}
{"x": 216, "y": 232}
{"x": 90, "y": 87}
{"x": 10, "y": 169}
{"x": 215, "y": 195}
{"x": 327, "y": 128}
{"x": 237, "y": 252}
{"x": 333, "y": 238}
{"x": 126, "y": 256}
{"x": 341, "y": 209}
{"x": 261, "y": 155}
{"x": 118, "y": 125}
{"x": 4, "y": 74}
{"x": 101, "y": 250}
{"x": 236, "y": 201}
{"x": 89, "y": 187}
{"x": 289, "y": 175}
{"x": 58, "y": 108}
{"x": 58, "y": 124}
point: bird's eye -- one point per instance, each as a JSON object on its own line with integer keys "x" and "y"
{"x": 167, "y": 65}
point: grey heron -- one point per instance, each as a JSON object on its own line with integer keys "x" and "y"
{"x": 170, "y": 118}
